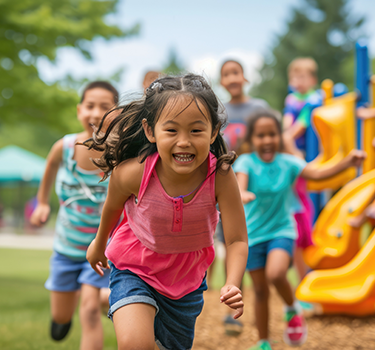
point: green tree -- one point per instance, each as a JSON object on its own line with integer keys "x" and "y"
{"x": 173, "y": 65}
{"x": 29, "y": 30}
{"x": 323, "y": 30}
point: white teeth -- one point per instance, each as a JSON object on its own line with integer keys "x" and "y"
{"x": 184, "y": 157}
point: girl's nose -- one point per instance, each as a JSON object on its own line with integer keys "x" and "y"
{"x": 183, "y": 141}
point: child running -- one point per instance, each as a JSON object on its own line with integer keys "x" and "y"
{"x": 302, "y": 75}
{"x": 270, "y": 176}
{"x": 239, "y": 108}
{"x": 81, "y": 199}
{"x": 169, "y": 168}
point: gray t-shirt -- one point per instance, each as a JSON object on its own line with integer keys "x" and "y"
{"x": 238, "y": 116}
{"x": 240, "y": 112}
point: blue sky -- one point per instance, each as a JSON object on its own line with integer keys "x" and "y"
{"x": 203, "y": 33}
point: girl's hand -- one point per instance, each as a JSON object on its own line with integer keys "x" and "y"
{"x": 40, "y": 215}
{"x": 365, "y": 113}
{"x": 96, "y": 258}
{"x": 356, "y": 157}
{"x": 232, "y": 296}
{"x": 247, "y": 196}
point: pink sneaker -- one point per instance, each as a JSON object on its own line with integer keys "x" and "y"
{"x": 295, "y": 333}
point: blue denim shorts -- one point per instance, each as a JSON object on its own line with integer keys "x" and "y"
{"x": 257, "y": 257}
{"x": 175, "y": 319}
{"x": 67, "y": 275}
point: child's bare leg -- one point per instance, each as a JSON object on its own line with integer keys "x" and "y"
{"x": 104, "y": 300}
{"x": 63, "y": 305}
{"x": 299, "y": 263}
{"x": 134, "y": 327}
{"x": 278, "y": 261}
{"x": 261, "y": 291}
{"x": 90, "y": 316}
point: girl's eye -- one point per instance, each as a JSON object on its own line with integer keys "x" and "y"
{"x": 171, "y": 130}
{"x": 196, "y": 130}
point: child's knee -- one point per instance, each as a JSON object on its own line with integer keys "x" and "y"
{"x": 90, "y": 313}
{"x": 261, "y": 293}
{"x": 276, "y": 277}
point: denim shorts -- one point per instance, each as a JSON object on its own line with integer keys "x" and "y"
{"x": 174, "y": 320}
{"x": 257, "y": 257}
{"x": 67, "y": 275}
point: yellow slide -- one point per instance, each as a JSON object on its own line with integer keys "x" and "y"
{"x": 349, "y": 289}
{"x": 335, "y": 241}
{"x": 335, "y": 125}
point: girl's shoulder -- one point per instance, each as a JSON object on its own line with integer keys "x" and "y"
{"x": 129, "y": 173}
{"x": 248, "y": 158}
{"x": 291, "y": 160}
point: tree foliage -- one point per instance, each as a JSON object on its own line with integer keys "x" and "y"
{"x": 173, "y": 65}
{"x": 31, "y": 29}
{"x": 323, "y": 30}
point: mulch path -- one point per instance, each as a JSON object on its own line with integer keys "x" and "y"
{"x": 325, "y": 332}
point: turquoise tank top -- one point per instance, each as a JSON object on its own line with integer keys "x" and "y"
{"x": 81, "y": 198}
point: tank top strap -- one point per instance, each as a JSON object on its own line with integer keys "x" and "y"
{"x": 150, "y": 163}
{"x": 211, "y": 174}
{"x": 68, "y": 150}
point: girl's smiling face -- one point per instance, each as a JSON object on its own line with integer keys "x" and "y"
{"x": 183, "y": 135}
{"x": 95, "y": 104}
{"x": 266, "y": 138}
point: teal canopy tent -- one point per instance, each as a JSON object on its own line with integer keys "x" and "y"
{"x": 18, "y": 165}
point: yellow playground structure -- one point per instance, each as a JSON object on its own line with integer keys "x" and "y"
{"x": 343, "y": 280}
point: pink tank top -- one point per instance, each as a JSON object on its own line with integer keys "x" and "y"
{"x": 167, "y": 243}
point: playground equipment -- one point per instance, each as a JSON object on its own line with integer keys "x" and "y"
{"x": 335, "y": 241}
{"x": 348, "y": 284}
{"x": 335, "y": 123}
{"x": 349, "y": 289}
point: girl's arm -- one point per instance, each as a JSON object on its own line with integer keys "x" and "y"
{"x": 122, "y": 184}
{"x": 289, "y": 146}
{"x": 42, "y": 210}
{"x": 234, "y": 227}
{"x": 354, "y": 158}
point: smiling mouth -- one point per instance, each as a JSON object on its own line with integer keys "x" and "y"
{"x": 183, "y": 157}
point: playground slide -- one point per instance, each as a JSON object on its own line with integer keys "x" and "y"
{"x": 335, "y": 241}
{"x": 349, "y": 289}
{"x": 335, "y": 126}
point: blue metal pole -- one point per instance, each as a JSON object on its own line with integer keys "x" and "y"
{"x": 362, "y": 81}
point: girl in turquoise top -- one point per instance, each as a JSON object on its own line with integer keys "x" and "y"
{"x": 266, "y": 178}
{"x": 81, "y": 198}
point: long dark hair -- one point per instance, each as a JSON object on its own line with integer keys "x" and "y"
{"x": 125, "y": 137}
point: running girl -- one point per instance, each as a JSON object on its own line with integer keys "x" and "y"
{"x": 270, "y": 176}
{"x": 81, "y": 198}
{"x": 169, "y": 168}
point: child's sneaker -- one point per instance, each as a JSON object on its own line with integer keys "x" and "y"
{"x": 232, "y": 327}
{"x": 295, "y": 333}
{"x": 261, "y": 345}
{"x": 59, "y": 330}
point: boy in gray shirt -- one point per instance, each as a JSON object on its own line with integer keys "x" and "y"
{"x": 240, "y": 107}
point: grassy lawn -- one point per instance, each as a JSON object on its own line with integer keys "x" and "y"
{"x": 24, "y": 303}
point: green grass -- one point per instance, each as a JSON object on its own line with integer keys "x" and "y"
{"x": 24, "y": 303}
